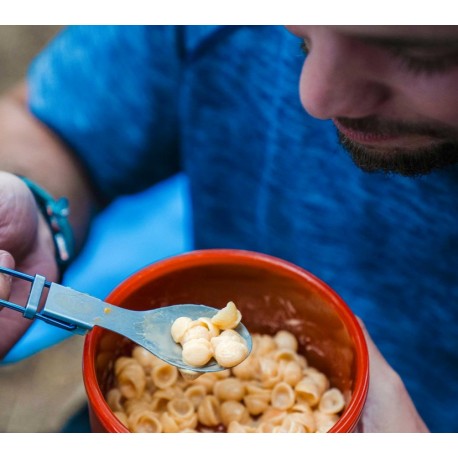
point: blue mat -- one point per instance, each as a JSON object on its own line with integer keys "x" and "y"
{"x": 132, "y": 232}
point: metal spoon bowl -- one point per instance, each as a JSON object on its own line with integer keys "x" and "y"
{"x": 150, "y": 334}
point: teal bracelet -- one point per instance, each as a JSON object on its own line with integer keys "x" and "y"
{"x": 56, "y": 214}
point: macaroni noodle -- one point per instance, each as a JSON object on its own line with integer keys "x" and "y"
{"x": 203, "y": 340}
{"x": 272, "y": 391}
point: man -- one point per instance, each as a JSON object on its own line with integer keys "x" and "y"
{"x": 111, "y": 110}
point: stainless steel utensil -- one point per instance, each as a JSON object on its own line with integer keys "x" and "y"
{"x": 79, "y": 312}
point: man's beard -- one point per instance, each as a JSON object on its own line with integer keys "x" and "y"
{"x": 441, "y": 153}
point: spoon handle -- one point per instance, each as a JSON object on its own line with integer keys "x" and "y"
{"x": 69, "y": 309}
{"x": 85, "y": 311}
{"x": 30, "y": 310}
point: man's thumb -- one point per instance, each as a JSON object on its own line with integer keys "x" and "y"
{"x": 6, "y": 260}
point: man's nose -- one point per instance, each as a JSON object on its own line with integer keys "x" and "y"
{"x": 340, "y": 79}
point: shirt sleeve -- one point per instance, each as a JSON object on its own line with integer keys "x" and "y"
{"x": 111, "y": 94}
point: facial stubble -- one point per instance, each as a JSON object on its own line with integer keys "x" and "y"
{"x": 410, "y": 163}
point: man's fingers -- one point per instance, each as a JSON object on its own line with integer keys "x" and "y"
{"x": 388, "y": 407}
{"x": 6, "y": 260}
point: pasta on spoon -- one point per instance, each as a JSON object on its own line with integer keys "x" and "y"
{"x": 215, "y": 337}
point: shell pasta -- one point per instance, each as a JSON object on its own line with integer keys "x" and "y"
{"x": 203, "y": 340}
{"x": 273, "y": 390}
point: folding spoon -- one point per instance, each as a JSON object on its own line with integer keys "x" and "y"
{"x": 79, "y": 312}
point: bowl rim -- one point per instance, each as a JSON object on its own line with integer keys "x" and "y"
{"x": 203, "y": 257}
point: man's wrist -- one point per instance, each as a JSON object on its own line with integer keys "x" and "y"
{"x": 55, "y": 213}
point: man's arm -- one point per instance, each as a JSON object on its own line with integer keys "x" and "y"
{"x": 28, "y": 148}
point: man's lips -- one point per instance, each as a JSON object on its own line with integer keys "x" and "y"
{"x": 364, "y": 137}
{"x": 384, "y": 140}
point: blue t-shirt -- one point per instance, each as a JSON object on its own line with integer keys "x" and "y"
{"x": 138, "y": 104}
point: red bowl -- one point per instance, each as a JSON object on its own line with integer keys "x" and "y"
{"x": 272, "y": 294}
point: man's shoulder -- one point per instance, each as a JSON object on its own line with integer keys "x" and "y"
{"x": 200, "y": 40}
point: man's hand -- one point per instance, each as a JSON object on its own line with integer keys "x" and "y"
{"x": 28, "y": 147}
{"x": 389, "y": 408}
{"x": 25, "y": 244}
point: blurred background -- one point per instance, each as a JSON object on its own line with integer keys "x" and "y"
{"x": 18, "y": 45}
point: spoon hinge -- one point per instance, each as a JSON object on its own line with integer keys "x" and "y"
{"x": 31, "y": 309}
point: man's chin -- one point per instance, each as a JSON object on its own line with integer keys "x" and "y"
{"x": 401, "y": 161}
